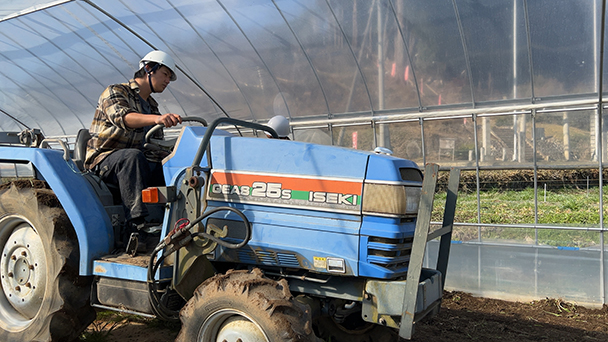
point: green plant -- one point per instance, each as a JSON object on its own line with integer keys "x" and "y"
{"x": 560, "y": 207}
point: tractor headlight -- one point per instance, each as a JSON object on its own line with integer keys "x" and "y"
{"x": 391, "y": 199}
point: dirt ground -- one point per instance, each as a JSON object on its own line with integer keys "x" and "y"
{"x": 466, "y": 318}
{"x": 462, "y": 318}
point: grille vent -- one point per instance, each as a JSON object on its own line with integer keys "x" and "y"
{"x": 269, "y": 258}
{"x": 393, "y": 254}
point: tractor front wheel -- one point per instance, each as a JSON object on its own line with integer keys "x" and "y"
{"x": 244, "y": 306}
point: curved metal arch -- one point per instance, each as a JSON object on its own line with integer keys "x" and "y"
{"x": 128, "y": 62}
{"x": 49, "y": 89}
{"x": 70, "y": 57}
{"x": 407, "y": 51}
{"x": 352, "y": 87}
{"x": 193, "y": 80}
{"x": 23, "y": 111}
{"x": 215, "y": 55}
{"x": 35, "y": 9}
{"x": 35, "y": 99}
{"x": 529, "y": 42}
{"x": 32, "y": 76}
{"x": 16, "y": 121}
{"x": 314, "y": 70}
{"x": 465, "y": 51}
{"x": 119, "y": 37}
{"x": 259, "y": 56}
{"x": 162, "y": 40}
{"x": 58, "y": 47}
{"x": 86, "y": 42}
{"x": 350, "y": 47}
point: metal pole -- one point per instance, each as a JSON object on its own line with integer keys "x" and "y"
{"x": 474, "y": 118}
{"x": 535, "y": 163}
{"x": 380, "y": 60}
{"x": 514, "y": 77}
{"x": 514, "y": 49}
{"x": 566, "y": 134}
{"x": 421, "y": 121}
{"x": 382, "y": 128}
{"x": 594, "y": 138}
{"x": 599, "y": 148}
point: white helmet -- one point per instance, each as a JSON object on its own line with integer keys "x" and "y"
{"x": 280, "y": 124}
{"x": 161, "y": 58}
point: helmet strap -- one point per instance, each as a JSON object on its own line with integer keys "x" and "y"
{"x": 149, "y": 72}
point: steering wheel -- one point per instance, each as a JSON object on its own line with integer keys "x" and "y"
{"x": 156, "y": 144}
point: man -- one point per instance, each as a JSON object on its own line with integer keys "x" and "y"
{"x": 125, "y": 112}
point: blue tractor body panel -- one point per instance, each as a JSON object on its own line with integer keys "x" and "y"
{"x": 310, "y": 220}
{"x": 296, "y": 238}
{"x": 229, "y": 152}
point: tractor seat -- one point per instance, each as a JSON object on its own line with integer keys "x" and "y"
{"x": 80, "y": 148}
{"x": 79, "y": 155}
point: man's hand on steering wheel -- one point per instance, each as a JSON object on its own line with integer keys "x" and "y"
{"x": 169, "y": 120}
{"x": 173, "y": 119}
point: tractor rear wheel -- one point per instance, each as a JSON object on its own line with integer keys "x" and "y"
{"x": 42, "y": 298}
{"x": 244, "y": 306}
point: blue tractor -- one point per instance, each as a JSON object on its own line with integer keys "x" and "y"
{"x": 258, "y": 240}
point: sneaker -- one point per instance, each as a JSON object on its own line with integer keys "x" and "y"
{"x": 140, "y": 225}
{"x": 152, "y": 228}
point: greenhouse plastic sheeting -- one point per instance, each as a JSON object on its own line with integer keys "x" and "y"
{"x": 524, "y": 273}
{"x": 309, "y": 60}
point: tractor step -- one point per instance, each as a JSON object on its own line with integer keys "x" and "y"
{"x": 125, "y": 266}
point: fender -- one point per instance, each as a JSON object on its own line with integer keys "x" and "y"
{"x": 85, "y": 211}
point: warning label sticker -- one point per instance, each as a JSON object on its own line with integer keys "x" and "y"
{"x": 320, "y": 262}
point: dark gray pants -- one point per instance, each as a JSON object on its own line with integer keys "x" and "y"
{"x": 131, "y": 172}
